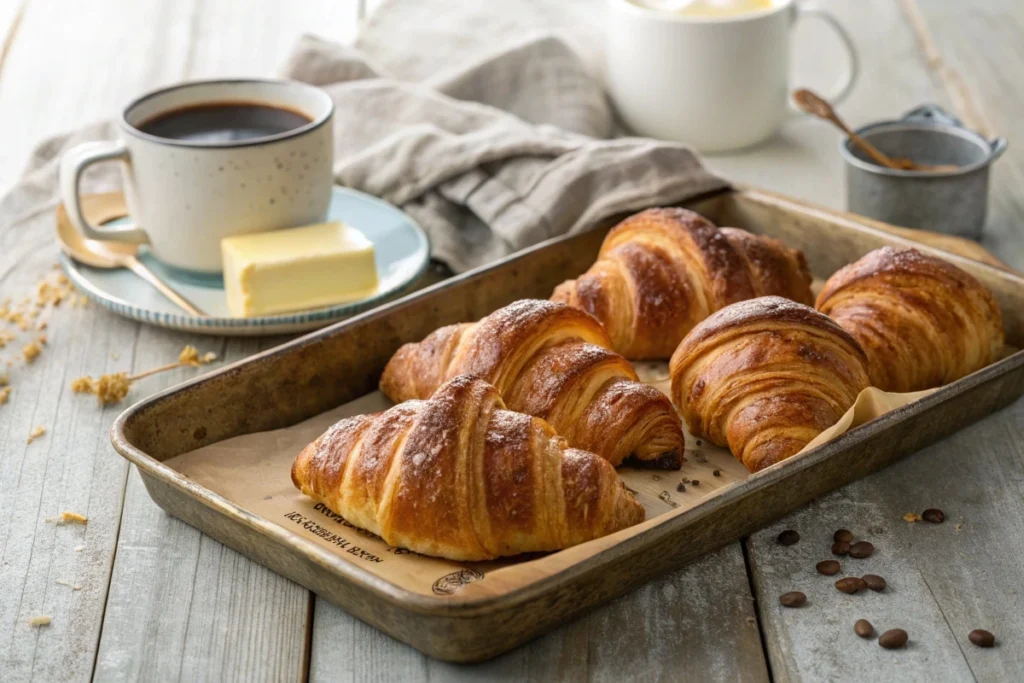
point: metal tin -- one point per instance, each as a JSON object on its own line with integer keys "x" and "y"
{"x": 952, "y": 202}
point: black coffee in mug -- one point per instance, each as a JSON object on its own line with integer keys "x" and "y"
{"x": 224, "y": 122}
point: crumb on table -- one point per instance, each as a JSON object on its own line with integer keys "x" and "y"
{"x": 31, "y": 351}
{"x": 73, "y": 518}
{"x": 35, "y": 433}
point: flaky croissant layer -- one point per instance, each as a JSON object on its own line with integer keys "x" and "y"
{"x": 461, "y": 477}
{"x": 662, "y": 271}
{"x": 764, "y": 377}
{"x": 554, "y": 362}
{"x": 922, "y": 321}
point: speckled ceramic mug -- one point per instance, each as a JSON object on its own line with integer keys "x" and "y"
{"x": 184, "y": 196}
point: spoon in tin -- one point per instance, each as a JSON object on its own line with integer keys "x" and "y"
{"x": 816, "y": 106}
{"x": 114, "y": 255}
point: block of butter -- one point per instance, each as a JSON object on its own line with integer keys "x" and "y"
{"x": 297, "y": 269}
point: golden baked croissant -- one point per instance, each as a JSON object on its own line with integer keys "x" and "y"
{"x": 766, "y": 376}
{"x": 662, "y": 271}
{"x": 922, "y": 321}
{"x": 551, "y": 361}
{"x": 461, "y": 477}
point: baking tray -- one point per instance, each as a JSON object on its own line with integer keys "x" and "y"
{"x": 321, "y": 371}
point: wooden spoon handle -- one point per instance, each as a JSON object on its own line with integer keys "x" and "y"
{"x": 873, "y": 152}
{"x": 140, "y": 269}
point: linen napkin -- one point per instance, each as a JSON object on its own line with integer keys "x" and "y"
{"x": 488, "y": 132}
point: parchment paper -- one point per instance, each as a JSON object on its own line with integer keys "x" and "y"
{"x": 253, "y": 471}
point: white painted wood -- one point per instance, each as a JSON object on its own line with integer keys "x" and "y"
{"x": 697, "y": 623}
{"x": 981, "y": 43}
{"x": 182, "y": 606}
{"x": 943, "y": 580}
{"x": 70, "y": 63}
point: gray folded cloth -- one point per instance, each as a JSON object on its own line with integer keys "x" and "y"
{"x": 492, "y": 142}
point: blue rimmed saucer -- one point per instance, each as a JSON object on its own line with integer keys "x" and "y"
{"x": 400, "y": 245}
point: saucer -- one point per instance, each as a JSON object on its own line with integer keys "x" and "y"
{"x": 401, "y": 248}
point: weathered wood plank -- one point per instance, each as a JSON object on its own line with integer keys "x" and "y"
{"x": 181, "y": 605}
{"x": 73, "y": 63}
{"x": 943, "y": 580}
{"x": 980, "y": 43}
{"x": 696, "y": 623}
{"x": 73, "y": 467}
{"x": 243, "y": 622}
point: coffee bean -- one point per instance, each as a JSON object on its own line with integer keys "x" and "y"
{"x": 828, "y": 567}
{"x": 696, "y": 482}
{"x": 933, "y": 515}
{"x": 840, "y": 548}
{"x": 716, "y": 473}
{"x": 861, "y": 549}
{"x": 843, "y": 535}
{"x": 851, "y": 584}
{"x": 681, "y": 487}
{"x": 789, "y": 537}
{"x": 793, "y": 599}
{"x": 893, "y": 639}
{"x": 981, "y": 638}
{"x": 863, "y": 628}
{"x": 874, "y": 582}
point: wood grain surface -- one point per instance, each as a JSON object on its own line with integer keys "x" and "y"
{"x": 160, "y": 601}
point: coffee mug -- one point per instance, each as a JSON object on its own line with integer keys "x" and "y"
{"x": 210, "y": 159}
{"x": 715, "y": 82}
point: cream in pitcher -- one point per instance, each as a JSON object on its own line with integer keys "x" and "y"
{"x": 708, "y": 8}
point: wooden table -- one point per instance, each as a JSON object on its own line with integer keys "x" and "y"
{"x": 159, "y": 601}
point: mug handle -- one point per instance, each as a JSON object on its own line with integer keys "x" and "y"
{"x": 72, "y": 164}
{"x": 838, "y": 92}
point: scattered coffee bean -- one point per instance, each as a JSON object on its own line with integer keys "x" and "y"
{"x": 695, "y": 482}
{"x": 699, "y": 442}
{"x": 843, "y": 535}
{"x": 981, "y": 637}
{"x": 861, "y": 549}
{"x": 851, "y": 584}
{"x": 863, "y": 628}
{"x": 893, "y": 639}
{"x": 840, "y": 548}
{"x": 680, "y": 487}
{"x": 789, "y": 537}
{"x": 716, "y": 473}
{"x": 874, "y": 582}
{"x": 793, "y": 599}
{"x": 828, "y": 567}
{"x": 933, "y": 515}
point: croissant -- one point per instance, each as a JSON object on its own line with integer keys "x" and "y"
{"x": 550, "y": 361}
{"x": 922, "y": 321}
{"x": 764, "y": 377}
{"x": 662, "y": 271}
{"x": 461, "y": 477}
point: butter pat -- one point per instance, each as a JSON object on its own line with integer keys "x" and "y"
{"x": 297, "y": 269}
